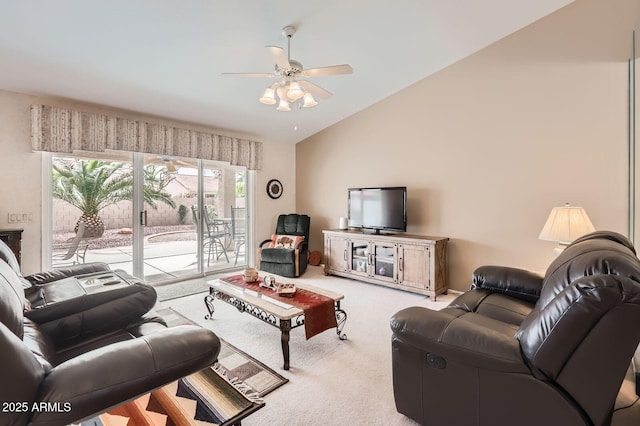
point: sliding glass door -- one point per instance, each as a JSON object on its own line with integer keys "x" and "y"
{"x": 157, "y": 217}
{"x": 223, "y": 215}
{"x": 91, "y": 218}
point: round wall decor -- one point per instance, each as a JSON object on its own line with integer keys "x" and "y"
{"x": 274, "y": 188}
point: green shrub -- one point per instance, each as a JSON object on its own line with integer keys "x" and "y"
{"x": 182, "y": 213}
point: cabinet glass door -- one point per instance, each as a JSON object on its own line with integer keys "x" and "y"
{"x": 384, "y": 261}
{"x": 359, "y": 257}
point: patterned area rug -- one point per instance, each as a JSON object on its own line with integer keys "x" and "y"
{"x": 235, "y": 363}
{"x": 221, "y": 395}
{"x": 205, "y": 398}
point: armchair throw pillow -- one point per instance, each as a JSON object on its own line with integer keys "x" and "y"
{"x": 285, "y": 241}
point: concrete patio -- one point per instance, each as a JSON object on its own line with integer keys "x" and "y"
{"x": 164, "y": 261}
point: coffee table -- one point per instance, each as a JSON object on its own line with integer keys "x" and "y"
{"x": 274, "y": 310}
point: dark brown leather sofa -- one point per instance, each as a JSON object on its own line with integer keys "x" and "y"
{"x": 521, "y": 349}
{"x": 75, "y": 347}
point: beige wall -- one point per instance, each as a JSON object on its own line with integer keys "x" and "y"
{"x": 489, "y": 145}
{"x": 21, "y": 172}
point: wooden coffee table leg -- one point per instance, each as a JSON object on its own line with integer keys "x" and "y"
{"x": 285, "y": 328}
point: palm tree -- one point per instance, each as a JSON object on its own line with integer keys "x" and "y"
{"x": 92, "y": 185}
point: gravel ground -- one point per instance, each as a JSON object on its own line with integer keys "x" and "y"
{"x": 123, "y": 237}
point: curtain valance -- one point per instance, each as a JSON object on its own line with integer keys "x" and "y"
{"x": 56, "y": 129}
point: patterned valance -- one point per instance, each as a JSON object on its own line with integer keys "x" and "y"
{"x": 62, "y": 130}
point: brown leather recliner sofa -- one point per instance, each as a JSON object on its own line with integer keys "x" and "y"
{"x": 81, "y": 343}
{"x": 522, "y": 349}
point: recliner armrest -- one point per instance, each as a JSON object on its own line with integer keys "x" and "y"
{"x": 260, "y": 246}
{"x": 519, "y": 283}
{"x": 461, "y": 337}
{"x": 104, "y": 308}
{"x": 70, "y": 271}
{"x": 98, "y": 380}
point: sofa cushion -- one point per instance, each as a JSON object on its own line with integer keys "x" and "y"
{"x": 277, "y": 255}
{"x": 39, "y": 344}
{"x": 293, "y": 224}
{"x": 509, "y": 310}
{"x": 556, "y": 332}
{"x": 596, "y": 255}
{"x": 8, "y": 256}
{"x": 497, "y": 306}
{"x": 12, "y": 301}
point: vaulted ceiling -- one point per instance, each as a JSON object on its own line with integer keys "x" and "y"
{"x": 166, "y": 58}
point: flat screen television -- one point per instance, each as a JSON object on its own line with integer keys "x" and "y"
{"x": 379, "y": 209}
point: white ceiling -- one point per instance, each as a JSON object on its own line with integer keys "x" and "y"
{"x": 165, "y": 57}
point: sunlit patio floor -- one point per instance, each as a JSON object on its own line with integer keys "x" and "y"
{"x": 165, "y": 261}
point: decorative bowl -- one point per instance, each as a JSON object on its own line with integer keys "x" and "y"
{"x": 250, "y": 275}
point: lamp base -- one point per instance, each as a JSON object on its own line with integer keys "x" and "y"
{"x": 560, "y": 248}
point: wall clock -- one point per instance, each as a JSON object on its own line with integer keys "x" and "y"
{"x": 274, "y": 188}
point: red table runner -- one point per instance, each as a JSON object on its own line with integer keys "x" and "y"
{"x": 319, "y": 310}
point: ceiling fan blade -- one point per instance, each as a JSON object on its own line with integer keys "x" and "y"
{"x": 315, "y": 90}
{"x": 187, "y": 164}
{"x": 332, "y": 70}
{"x": 171, "y": 167}
{"x": 249, "y": 74}
{"x": 279, "y": 57}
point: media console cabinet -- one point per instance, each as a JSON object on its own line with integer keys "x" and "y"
{"x": 407, "y": 262}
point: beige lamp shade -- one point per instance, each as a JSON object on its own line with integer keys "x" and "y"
{"x": 565, "y": 224}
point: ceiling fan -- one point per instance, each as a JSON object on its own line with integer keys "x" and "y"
{"x": 291, "y": 87}
{"x": 171, "y": 163}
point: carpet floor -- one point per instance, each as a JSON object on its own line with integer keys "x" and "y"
{"x": 331, "y": 382}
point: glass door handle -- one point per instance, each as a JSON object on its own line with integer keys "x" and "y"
{"x": 143, "y": 218}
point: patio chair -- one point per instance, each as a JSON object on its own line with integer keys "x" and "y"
{"x": 238, "y": 229}
{"x": 70, "y": 253}
{"x": 213, "y": 235}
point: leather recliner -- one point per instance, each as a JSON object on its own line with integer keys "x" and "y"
{"x": 519, "y": 348}
{"x": 287, "y": 262}
{"x": 71, "y": 350}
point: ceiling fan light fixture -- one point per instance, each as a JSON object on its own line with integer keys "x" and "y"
{"x": 294, "y": 92}
{"x": 269, "y": 96}
{"x": 289, "y": 90}
{"x": 309, "y": 101}
{"x": 283, "y": 106}
{"x": 282, "y": 91}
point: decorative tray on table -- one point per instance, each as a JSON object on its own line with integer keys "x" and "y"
{"x": 286, "y": 290}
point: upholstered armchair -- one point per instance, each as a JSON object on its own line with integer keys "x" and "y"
{"x": 286, "y": 252}
{"x": 520, "y": 348}
{"x": 85, "y": 341}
